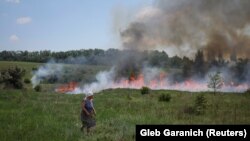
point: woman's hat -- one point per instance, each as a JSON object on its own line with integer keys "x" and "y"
{"x": 89, "y": 93}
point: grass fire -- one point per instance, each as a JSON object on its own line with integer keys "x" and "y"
{"x": 114, "y": 65}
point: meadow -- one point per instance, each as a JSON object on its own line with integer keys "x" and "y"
{"x": 29, "y": 115}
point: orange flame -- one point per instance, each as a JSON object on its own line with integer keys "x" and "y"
{"x": 139, "y": 81}
{"x": 160, "y": 82}
{"x": 67, "y": 87}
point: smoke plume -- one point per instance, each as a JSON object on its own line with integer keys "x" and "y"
{"x": 220, "y": 28}
{"x": 185, "y": 26}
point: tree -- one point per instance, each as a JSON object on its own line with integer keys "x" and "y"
{"x": 240, "y": 69}
{"x": 199, "y": 64}
{"x": 187, "y": 68}
{"x": 215, "y": 81}
{"x": 175, "y": 62}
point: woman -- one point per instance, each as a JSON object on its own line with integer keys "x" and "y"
{"x": 88, "y": 112}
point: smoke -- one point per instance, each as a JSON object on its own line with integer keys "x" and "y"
{"x": 57, "y": 70}
{"x": 221, "y": 29}
{"x": 104, "y": 80}
{"x": 49, "y": 69}
{"x": 107, "y": 79}
{"x": 185, "y": 26}
{"x": 156, "y": 78}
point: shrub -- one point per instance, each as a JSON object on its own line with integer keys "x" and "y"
{"x": 199, "y": 107}
{"x": 18, "y": 85}
{"x": 38, "y": 88}
{"x": 200, "y": 104}
{"x": 145, "y": 90}
{"x": 165, "y": 97}
{"x": 27, "y": 81}
{"x": 12, "y": 77}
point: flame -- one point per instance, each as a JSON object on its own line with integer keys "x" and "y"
{"x": 139, "y": 81}
{"x": 71, "y": 86}
{"x": 161, "y": 82}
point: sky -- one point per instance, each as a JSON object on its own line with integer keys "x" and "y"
{"x": 61, "y": 25}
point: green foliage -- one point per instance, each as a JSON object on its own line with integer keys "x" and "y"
{"x": 38, "y": 88}
{"x": 187, "y": 67}
{"x": 12, "y": 77}
{"x": 200, "y": 104}
{"x": 165, "y": 97}
{"x": 145, "y": 90}
{"x": 27, "y": 81}
{"x": 215, "y": 81}
{"x": 175, "y": 62}
{"x": 199, "y": 64}
{"x": 155, "y": 59}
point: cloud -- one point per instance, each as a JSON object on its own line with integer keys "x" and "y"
{"x": 13, "y": 1}
{"x": 23, "y": 20}
{"x": 14, "y": 38}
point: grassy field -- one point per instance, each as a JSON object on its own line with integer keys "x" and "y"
{"x": 29, "y": 115}
{"x": 25, "y": 65}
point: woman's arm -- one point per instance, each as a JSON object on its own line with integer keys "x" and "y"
{"x": 93, "y": 107}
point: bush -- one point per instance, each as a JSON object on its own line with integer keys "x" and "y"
{"x": 200, "y": 104}
{"x": 145, "y": 90}
{"x": 12, "y": 77}
{"x": 165, "y": 97}
{"x": 18, "y": 85}
{"x": 38, "y": 88}
{"x": 27, "y": 81}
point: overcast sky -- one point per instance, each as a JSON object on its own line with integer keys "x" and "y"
{"x": 61, "y": 25}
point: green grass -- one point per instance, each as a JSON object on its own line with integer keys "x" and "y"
{"x": 28, "y": 115}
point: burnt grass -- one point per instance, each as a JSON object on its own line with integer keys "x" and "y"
{"x": 30, "y": 115}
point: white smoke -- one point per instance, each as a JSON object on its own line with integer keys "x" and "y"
{"x": 104, "y": 80}
{"x": 51, "y": 68}
{"x": 152, "y": 78}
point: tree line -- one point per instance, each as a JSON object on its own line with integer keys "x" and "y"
{"x": 187, "y": 68}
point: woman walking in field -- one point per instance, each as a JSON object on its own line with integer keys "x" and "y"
{"x": 88, "y": 112}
